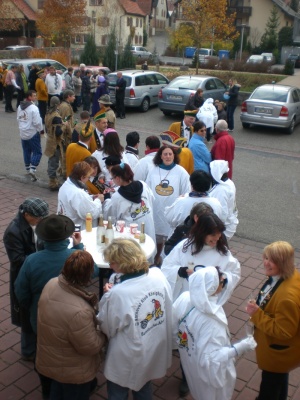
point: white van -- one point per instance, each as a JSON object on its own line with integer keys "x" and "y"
{"x": 206, "y": 54}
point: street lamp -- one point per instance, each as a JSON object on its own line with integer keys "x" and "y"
{"x": 94, "y": 21}
{"x": 242, "y": 39}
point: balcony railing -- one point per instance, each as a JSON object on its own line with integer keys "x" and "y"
{"x": 240, "y": 11}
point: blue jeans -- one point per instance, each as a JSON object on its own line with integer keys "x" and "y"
{"x": 70, "y": 391}
{"x": 32, "y": 151}
{"x": 117, "y": 392}
{"x": 230, "y": 119}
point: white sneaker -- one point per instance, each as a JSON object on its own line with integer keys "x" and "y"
{"x": 33, "y": 175}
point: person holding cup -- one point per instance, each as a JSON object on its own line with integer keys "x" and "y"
{"x": 276, "y": 318}
{"x": 132, "y": 202}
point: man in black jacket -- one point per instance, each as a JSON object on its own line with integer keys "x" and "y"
{"x": 19, "y": 241}
{"x": 120, "y": 95}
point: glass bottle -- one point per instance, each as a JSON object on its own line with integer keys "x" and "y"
{"x": 88, "y": 222}
{"x": 100, "y": 231}
{"x": 109, "y": 233}
{"x": 142, "y": 234}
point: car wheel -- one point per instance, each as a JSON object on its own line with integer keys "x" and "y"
{"x": 167, "y": 112}
{"x": 291, "y": 128}
{"x": 145, "y": 105}
{"x": 246, "y": 125}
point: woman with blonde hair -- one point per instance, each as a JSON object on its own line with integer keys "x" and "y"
{"x": 140, "y": 331}
{"x": 276, "y": 318}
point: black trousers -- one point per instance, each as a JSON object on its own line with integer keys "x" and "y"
{"x": 42, "y": 105}
{"x": 120, "y": 107}
{"x": 9, "y": 91}
{"x": 274, "y": 386}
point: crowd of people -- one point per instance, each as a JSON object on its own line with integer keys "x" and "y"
{"x": 185, "y": 197}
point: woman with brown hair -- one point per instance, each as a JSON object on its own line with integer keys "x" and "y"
{"x": 74, "y": 200}
{"x": 132, "y": 202}
{"x": 276, "y": 318}
{"x": 167, "y": 180}
{"x": 68, "y": 342}
{"x": 111, "y": 147}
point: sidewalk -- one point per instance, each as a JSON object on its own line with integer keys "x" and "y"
{"x": 18, "y": 379}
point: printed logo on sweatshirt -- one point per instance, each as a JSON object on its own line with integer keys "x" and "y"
{"x": 185, "y": 339}
{"x": 139, "y": 211}
{"x": 149, "y": 312}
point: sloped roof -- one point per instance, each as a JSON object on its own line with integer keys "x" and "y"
{"x": 131, "y": 7}
{"x": 145, "y": 5}
{"x": 28, "y": 12}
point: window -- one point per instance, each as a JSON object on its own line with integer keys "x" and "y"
{"x": 151, "y": 79}
{"x": 141, "y": 22}
{"x": 137, "y": 22}
{"x": 140, "y": 80}
{"x": 77, "y": 39}
{"x": 210, "y": 85}
{"x": 220, "y": 84}
{"x": 161, "y": 79}
{"x": 129, "y": 21}
{"x": 103, "y": 22}
{"x": 104, "y": 40}
{"x": 95, "y": 2}
{"x": 85, "y": 38}
{"x": 295, "y": 96}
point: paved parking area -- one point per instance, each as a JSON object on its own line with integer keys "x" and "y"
{"x": 18, "y": 379}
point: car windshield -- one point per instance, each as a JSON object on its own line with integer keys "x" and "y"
{"x": 112, "y": 80}
{"x": 270, "y": 94}
{"x": 190, "y": 84}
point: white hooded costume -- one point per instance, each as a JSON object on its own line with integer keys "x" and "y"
{"x": 136, "y": 316}
{"x": 208, "y": 114}
{"x": 225, "y": 193}
{"x": 203, "y": 339}
{"x": 207, "y": 256}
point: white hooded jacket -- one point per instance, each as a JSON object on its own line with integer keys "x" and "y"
{"x": 203, "y": 339}
{"x": 207, "y": 256}
{"x": 225, "y": 192}
{"x": 136, "y": 316}
{"x": 208, "y": 114}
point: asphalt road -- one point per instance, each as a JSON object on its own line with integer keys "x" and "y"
{"x": 266, "y": 171}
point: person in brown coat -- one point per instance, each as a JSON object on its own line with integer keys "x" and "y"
{"x": 69, "y": 343}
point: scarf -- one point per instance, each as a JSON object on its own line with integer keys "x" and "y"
{"x": 167, "y": 167}
{"x": 78, "y": 184}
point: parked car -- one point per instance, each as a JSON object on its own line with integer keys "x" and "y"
{"x": 40, "y": 62}
{"x": 205, "y": 55}
{"x": 274, "y": 105}
{"x": 173, "y": 98}
{"x": 295, "y": 58}
{"x": 140, "y": 52}
{"x": 255, "y": 59}
{"x": 142, "y": 88}
{"x": 268, "y": 57}
{"x": 18, "y": 47}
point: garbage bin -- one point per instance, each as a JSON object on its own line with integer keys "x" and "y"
{"x": 189, "y": 52}
{"x": 223, "y": 54}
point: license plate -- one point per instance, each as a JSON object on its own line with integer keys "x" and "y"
{"x": 263, "y": 110}
{"x": 173, "y": 97}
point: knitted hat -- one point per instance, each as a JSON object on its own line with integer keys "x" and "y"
{"x": 35, "y": 207}
{"x": 87, "y": 130}
{"x": 190, "y": 113}
{"x": 100, "y": 114}
{"x": 172, "y": 139}
{"x": 109, "y": 130}
{"x": 54, "y": 101}
{"x": 218, "y": 168}
{"x": 105, "y": 100}
{"x": 55, "y": 228}
{"x": 112, "y": 160}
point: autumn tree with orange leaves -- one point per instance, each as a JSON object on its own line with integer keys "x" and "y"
{"x": 62, "y": 19}
{"x": 210, "y": 21}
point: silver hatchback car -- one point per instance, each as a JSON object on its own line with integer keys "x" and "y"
{"x": 274, "y": 105}
{"x": 142, "y": 88}
{"x": 174, "y": 97}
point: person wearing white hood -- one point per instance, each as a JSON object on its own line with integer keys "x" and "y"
{"x": 201, "y": 330}
{"x": 224, "y": 190}
{"x": 209, "y": 116}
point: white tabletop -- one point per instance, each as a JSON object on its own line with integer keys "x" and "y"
{"x": 90, "y": 243}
